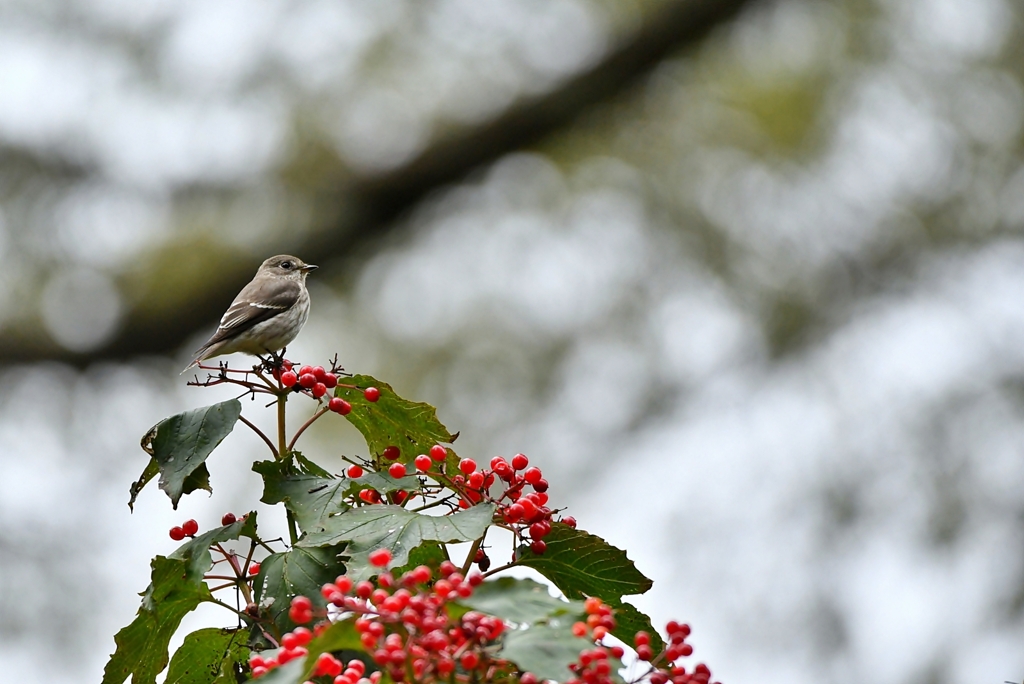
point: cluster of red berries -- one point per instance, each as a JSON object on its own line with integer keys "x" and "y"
{"x": 664, "y": 669}
{"x": 186, "y": 529}
{"x": 525, "y": 512}
{"x": 189, "y": 528}
{"x": 594, "y": 665}
{"x": 293, "y": 647}
{"x": 317, "y": 380}
{"x": 404, "y": 624}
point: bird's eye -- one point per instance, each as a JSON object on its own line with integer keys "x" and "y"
{"x": 286, "y": 265}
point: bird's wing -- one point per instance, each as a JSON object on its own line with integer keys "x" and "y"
{"x": 258, "y": 301}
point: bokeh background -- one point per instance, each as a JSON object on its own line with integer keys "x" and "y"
{"x": 745, "y": 277}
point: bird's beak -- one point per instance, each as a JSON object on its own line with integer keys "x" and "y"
{"x": 308, "y": 267}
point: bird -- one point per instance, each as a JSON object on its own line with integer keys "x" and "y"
{"x": 266, "y": 315}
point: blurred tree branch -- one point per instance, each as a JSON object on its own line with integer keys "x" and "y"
{"x": 197, "y": 284}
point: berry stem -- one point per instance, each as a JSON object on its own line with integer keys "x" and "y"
{"x": 305, "y": 425}
{"x": 282, "y": 440}
{"x": 506, "y": 566}
{"x": 439, "y": 502}
{"x": 260, "y": 433}
{"x": 472, "y": 555}
{"x": 233, "y": 610}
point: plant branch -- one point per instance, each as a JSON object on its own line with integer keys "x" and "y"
{"x": 259, "y": 432}
{"x": 291, "y": 445}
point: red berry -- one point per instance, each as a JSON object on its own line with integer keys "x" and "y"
{"x": 258, "y": 671}
{"x": 519, "y": 461}
{"x": 319, "y": 390}
{"x": 288, "y": 379}
{"x": 319, "y": 373}
{"x": 370, "y": 496}
{"x": 177, "y": 534}
{"x": 570, "y": 521}
{"x": 539, "y": 529}
{"x": 540, "y": 485}
{"x": 644, "y": 652}
{"x": 254, "y": 569}
{"x": 396, "y": 470}
{"x": 305, "y": 370}
{"x": 339, "y": 406}
{"x": 538, "y": 546}
{"x": 642, "y": 639}
{"x": 476, "y": 480}
{"x": 467, "y": 465}
{"x": 528, "y": 678}
{"x": 616, "y": 651}
{"x": 514, "y": 513}
{"x": 302, "y": 602}
{"x": 354, "y": 471}
{"x": 228, "y": 519}
{"x": 532, "y": 475}
{"x": 307, "y": 380}
{"x": 299, "y": 616}
{"x": 423, "y": 463}
{"x": 380, "y": 557}
{"x": 438, "y": 453}
{"x": 190, "y": 527}
{"x": 289, "y": 641}
{"x": 392, "y": 453}
{"x": 579, "y": 629}
{"x": 331, "y": 380}
{"x": 371, "y": 394}
{"x": 469, "y": 660}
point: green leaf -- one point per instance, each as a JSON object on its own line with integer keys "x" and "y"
{"x": 545, "y": 649}
{"x": 314, "y": 499}
{"x": 340, "y": 636}
{"x": 396, "y": 529}
{"x": 541, "y": 640}
{"x": 210, "y": 656}
{"x": 298, "y": 571}
{"x": 196, "y": 552}
{"x": 177, "y": 587}
{"x": 148, "y": 474}
{"x": 428, "y": 554}
{"x": 522, "y": 601}
{"x": 142, "y": 645}
{"x": 411, "y": 426}
{"x": 581, "y": 565}
{"x": 629, "y": 621}
{"x": 180, "y": 445}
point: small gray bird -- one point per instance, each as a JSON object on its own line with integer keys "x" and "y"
{"x": 266, "y": 315}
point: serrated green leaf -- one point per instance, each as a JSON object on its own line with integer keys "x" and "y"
{"x": 142, "y": 646}
{"x": 177, "y": 587}
{"x": 314, "y": 499}
{"x": 522, "y": 601}
{"x": 411, "y": 426}
{"x": 210, "y": 656}
{"x": 428, "y": 554}
{"x": 629, "y": 620}
{"x": 581, "y": 564}
{"x": 302, "y": 571}
{"x": 396, "y": 529}
{"x": 181, "y": 444}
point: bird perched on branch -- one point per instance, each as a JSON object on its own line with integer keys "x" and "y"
{"x": 266, "y": 315}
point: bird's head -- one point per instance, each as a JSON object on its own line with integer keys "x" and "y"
{"x": 286, "y": 265}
